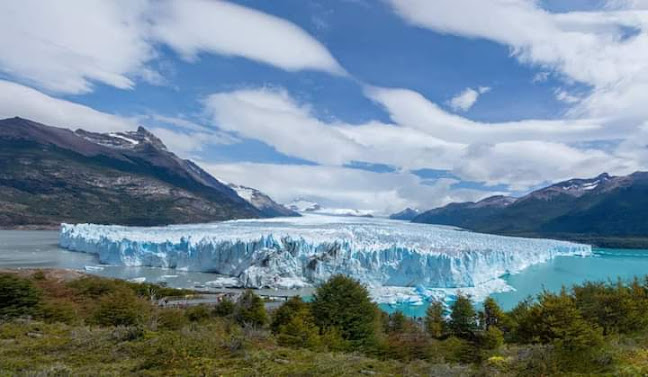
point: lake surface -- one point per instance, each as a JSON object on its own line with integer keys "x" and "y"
{"x": 39, "y": 249}
{"x": 604, "y": 265}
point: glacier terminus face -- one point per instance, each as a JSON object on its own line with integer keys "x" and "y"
{"x": 306, "y": 251}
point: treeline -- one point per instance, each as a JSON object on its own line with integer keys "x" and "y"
{"x": 569, "y": 331}
{"x": 593, "y": 328}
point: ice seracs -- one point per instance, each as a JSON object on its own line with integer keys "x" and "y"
{"x": 306, "y": 251}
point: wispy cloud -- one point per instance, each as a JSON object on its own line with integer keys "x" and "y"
{"x": 586, "y": 47}
{"x": 344, "y": 187}
{"x": 66, "y": 46}
{"x": 194, "y": 26}
{"x": 422, "y": 136}
{"x": 466, "y": 99}
{"x": 20, "y": 100}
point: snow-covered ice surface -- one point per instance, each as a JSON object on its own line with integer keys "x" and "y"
{"x": 400, "y": 262}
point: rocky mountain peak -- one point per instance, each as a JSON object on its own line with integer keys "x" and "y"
{"x": 124, "y": 140}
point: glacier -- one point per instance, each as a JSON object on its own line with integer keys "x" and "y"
{"x": 401, "y": 260}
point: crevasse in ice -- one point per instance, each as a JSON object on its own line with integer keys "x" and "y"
{"x": 294, "y": 252}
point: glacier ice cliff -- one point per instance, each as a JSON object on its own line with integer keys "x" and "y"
{"x": 297, "y": 252}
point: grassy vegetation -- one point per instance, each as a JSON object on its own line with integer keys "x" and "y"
{"x": 95, "y": 326}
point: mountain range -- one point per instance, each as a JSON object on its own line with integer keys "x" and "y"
{"x": 50, "y": 175}
{"x": 604, "y": 211}
{"x": 406, "y": 214}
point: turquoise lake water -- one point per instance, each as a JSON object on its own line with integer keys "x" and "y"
{"x": 604, "y": 265}
{"x": 39, "y": 249}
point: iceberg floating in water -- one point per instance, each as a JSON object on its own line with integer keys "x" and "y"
{"x": 93, "y": 268}
{"x": 306, "y": 251}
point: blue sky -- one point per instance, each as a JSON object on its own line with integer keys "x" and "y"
{"x": 369, "y": 104}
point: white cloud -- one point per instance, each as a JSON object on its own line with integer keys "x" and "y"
{"x": 566, "y": 97}
{"x": 411, "y": 109}
{"x": 540, "y": 77}
{"x": 466, "y": 99}
{"x": 180, "y": 135}
{"x": 189, "y": 144}
{"x": 522, "y": 154}
{"x": 25, "y": 102}
{"x": 343, "y": 187}
{"x": 525, "y": 164}
{"x": 194, "y": 26}
{"x": 185, "y": 137}
{"x": 67, "y": 45}
{"x": 587, "y": 47}
{"x": 275, "y": 118}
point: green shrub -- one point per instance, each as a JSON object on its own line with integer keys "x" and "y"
{"x": 286, "y": 312}
{"x": 95, "y": 287}
{"x": 172, "y": 319}
{"x": 224, "y": 308}
{"x": 63, "y": 310}
{"x": 491, "y": 339}
{"x": 18, "y": 296}
{"x": 120, "y": 308}
{"x": 250, "y": 310}
{"x": 198, "y": 313}
{"x": 299, "y": 332}
{"x": 332, "y": 340}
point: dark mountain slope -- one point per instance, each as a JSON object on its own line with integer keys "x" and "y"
{"x": 605, "y": 211}
{"x": 50, "y": 175}
{"x": 406, "y": 214}
{"x": 465, "y": 215}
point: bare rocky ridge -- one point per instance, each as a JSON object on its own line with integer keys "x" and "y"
{"x": 406, "y": 214}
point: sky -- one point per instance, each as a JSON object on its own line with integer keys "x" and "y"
{"x": 367, "y": 104}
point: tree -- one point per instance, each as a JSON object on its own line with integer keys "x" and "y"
{"x": 435, "y": 323}
{"x": 521, "y": 326}
{"x": 344, "y": 304}
{"x": 250, "y": 310}
{"x": 492, "y": 338}
{"x": 463, "y": 317}
{"x": 493, "y": 316}
{"x": 559, "y": 321}
{"x": 299, "y": 331}
{"x": 397, "y": 322}
{"x": 18, "y": 296}
{"x": 617, "y": 308}
{"x": 286, "y": 312}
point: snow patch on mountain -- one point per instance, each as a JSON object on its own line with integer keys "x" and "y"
{"x": 262, "y": 202}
